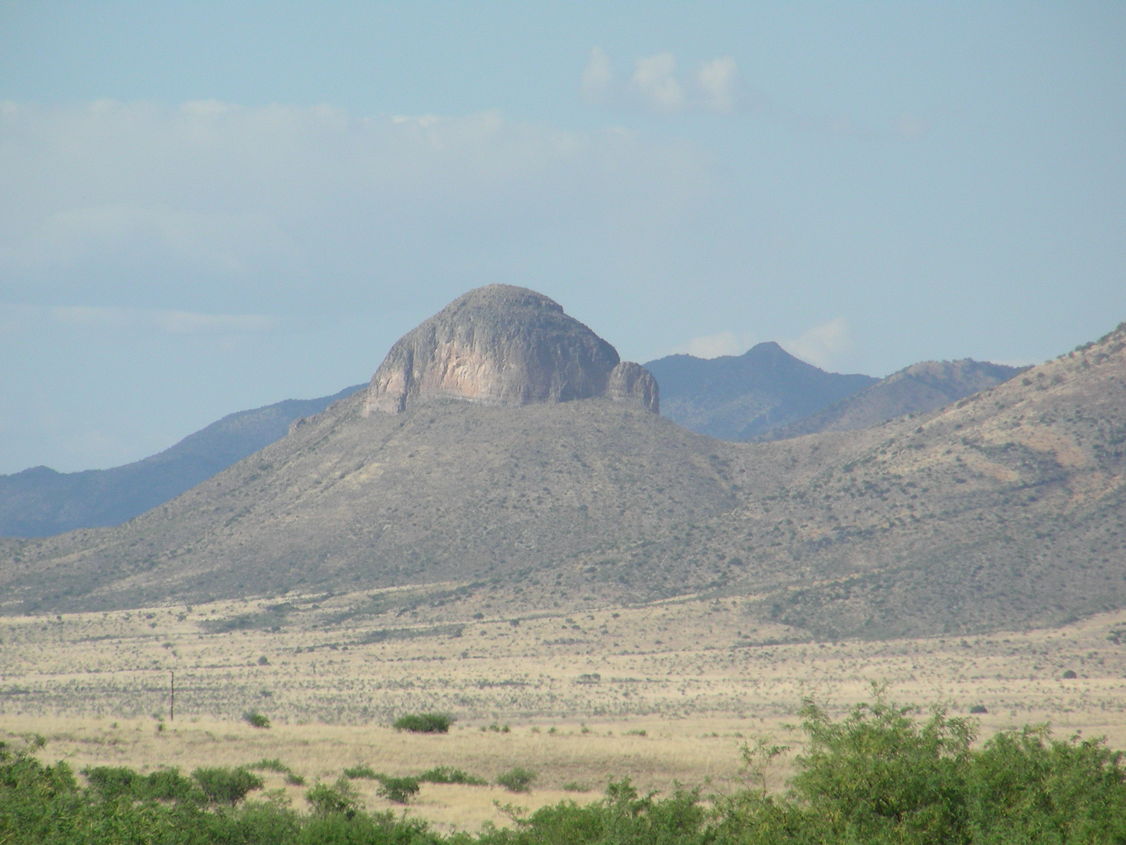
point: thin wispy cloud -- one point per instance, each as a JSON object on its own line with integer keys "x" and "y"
{"x": 598, "y": 77}
{"x": 826, "y": 345}
{"x": 719, "y": 83}
{"x": 716, "y": 345}
{"x": 116, "y": 318}
{"x": 213, "y": 202}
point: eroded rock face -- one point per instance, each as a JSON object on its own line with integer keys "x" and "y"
{"x": 504, "y": 345}
{"x": 630, "y": 382}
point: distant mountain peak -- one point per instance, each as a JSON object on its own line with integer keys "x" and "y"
{"x": 768, "y": 347}
{"x": 504, "y": 345}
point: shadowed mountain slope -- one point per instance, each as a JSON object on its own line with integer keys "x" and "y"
{"x": 39, "y": 501}
{"x": 916, "y": 389}
{"x": 739, "y": 397}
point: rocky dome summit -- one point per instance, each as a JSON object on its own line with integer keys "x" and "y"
{"x": 508, "y": 346}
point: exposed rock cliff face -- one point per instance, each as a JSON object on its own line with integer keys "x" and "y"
{"x": 504, "y": 345}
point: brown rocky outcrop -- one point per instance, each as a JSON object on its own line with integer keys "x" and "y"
{"x": 504, "y": 345}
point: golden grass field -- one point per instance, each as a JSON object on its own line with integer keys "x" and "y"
{"x": 663, "y": 693}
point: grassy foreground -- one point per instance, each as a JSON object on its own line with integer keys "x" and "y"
{"x": 882, "y": 773}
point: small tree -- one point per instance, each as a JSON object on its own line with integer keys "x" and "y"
{"x": 400, "y": 790}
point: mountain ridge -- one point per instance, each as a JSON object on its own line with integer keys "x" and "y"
{"x": 735, "y": 397}
{"x": 40, "y": 501}
{"x": 1003, "y": 509}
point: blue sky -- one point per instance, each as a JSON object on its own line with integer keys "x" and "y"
{"x": 205, "y": 207}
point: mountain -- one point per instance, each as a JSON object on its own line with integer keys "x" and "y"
{"x": 740, "y": 397}
{"x": 913, "y": 390}
{"x": 504, "y": 345}
{"x": 1002, "y": 510}
{"x": 724, "y": 397}
{"x": 1006, "y": 509}
{"x": 40, "y": 501}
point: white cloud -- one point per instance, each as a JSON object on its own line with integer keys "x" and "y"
{"x": 716, "y": 345}
{"x": 654, "y": 79}
{"x": 656, "y": 85}
{"x": 598, "y": 77}
{"x": 825, "y": 345}
{"x": 719, "y": 82}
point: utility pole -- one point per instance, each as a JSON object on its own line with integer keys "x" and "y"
{"x": 172, "y": 696}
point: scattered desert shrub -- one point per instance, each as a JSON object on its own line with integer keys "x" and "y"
{"x": 256, "y": 719}
{"x": 425, "y": 723}
{"x": 517, "y": 779}
{"x": 446, "y": 774}
{"x": 272, "y": 764}
{"x": 368, "y": 772}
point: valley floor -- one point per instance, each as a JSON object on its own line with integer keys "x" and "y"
{"x": 663, "y": 693}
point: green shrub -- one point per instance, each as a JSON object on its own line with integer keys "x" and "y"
{"x": 362, "y": 772}
{"x": 517, "y": 779}
{"x": 340, "y": 798}
{"x": 170, "y": 785}
{"x": 224, "y": 785}
{"x": 446, "y": 774}
{"x": 398, "y": 789}
{"x": 1026, "y": 786}
{"x": 880, "y": 775}
{"x": 621, "y": 817}
{"x": 426, "y": 723}
{"x": 272, "y": 764}
{"x": 256, "y": 719}
{"x": 111, "y": 782}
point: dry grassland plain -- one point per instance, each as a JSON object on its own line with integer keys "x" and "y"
{"x": 663, "y": 693}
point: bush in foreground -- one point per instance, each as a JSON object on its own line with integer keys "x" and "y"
{"x": 226, "y": 786}
{"x": 882, "y": 774}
